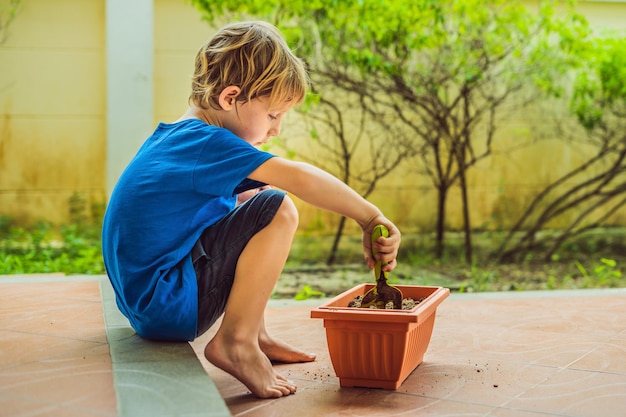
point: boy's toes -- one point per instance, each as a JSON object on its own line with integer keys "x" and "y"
{"x": 287, "y": 387}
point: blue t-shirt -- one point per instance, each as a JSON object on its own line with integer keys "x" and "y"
{"x": 182, "y": 180}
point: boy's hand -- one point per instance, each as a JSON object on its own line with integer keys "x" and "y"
{"x": 387, "y": 247}
{"x": 247, "y": 195}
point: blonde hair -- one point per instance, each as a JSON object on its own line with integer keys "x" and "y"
{"x": 252, "y": 56}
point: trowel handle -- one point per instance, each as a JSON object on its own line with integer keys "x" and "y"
{"x": 378, "y": 231}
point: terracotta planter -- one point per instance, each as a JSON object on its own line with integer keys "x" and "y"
{"x": 378, "y": 348}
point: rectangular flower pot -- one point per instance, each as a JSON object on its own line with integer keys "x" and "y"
{"x": 377, "y": 348}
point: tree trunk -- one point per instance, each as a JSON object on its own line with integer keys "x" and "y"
{"x": 441, "y": 220}
{"x": 467, "y": 228}
{"x": 332, "y": 257}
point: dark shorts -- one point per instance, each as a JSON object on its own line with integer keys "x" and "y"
{"x": 216, "y": 253}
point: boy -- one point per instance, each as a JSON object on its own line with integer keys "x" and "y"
{"x": 193, "y": 230}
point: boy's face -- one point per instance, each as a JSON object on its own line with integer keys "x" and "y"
{"x": 254, "y": 121}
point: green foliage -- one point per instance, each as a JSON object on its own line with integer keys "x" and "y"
{"x": 602, "y": 86}
{"x": 480, "y": 280}
{"x": 603, "y": 274}
{"x": 425, "y": 44}
{"x": 307, "y": 293}
{"x": 74, "y": 248}
{"x": 416, "y": 265}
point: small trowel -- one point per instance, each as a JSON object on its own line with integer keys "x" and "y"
{"x": 382, "y": 293}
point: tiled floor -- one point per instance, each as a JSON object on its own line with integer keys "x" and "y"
{"x": 54, "y": 356}
{"x": 507, "y": 354}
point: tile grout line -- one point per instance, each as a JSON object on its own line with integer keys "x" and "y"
{"x": 558, "y": 370}
{"x": 159, "y": 379}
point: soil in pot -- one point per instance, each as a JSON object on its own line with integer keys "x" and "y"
{"x": 408, "y": 303}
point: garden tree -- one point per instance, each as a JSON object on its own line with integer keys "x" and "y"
{"x": 359, "y": 149}
{"x": 480, "y": 58}
{"x": 443, "y": 69}
{"x": 596, "y": 189}
{"x": 8, "y": 11}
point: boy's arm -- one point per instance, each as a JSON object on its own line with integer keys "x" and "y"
{"x": 323, "y": 190}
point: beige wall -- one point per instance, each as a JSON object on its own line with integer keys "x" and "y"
{"x": 52, "y": 108}
{"x": 53, "y": 99}
{"x": 178, "y": 33}
{"x": 53, "y": 117}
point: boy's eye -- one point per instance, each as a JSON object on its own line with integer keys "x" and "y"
{"x": 272, "y": 117}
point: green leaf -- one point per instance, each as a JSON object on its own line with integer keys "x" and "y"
{"x": 307, "y": 293}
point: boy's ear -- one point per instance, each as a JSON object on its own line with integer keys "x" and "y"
{"x": 228, "y": 97}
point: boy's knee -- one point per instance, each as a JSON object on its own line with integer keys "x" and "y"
{"x": 288, "y": 212}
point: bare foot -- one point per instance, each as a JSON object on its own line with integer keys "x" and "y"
{"x": 278, "y": 351}
{"x": 249, "y": 365}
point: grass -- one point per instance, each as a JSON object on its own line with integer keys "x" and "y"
{"x": 71, "y": 249}
{"x": 74, "y": 248}
{"x": 596, "y": 260}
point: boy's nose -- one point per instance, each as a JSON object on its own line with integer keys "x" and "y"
{"x": 274, "y": 131}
